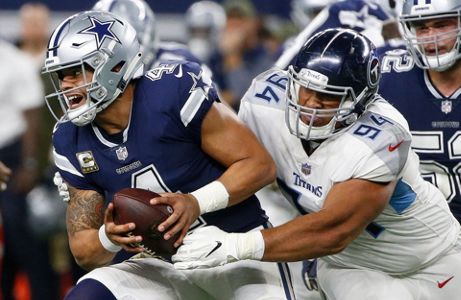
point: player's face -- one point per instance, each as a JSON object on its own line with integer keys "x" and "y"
{"x": 438, "y": 36}
{"x": 317, "y": 100}
{"x": 70, "y": 80}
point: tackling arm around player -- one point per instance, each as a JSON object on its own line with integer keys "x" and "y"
{"x": 379, "y": 230}
{"x": 348, "y": 209}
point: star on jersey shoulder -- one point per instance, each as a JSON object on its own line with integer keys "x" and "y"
{"x": 100, "y": 30}
{"x": 201, "y": 83}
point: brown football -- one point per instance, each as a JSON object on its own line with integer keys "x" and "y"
{"x": 132, "y": 205}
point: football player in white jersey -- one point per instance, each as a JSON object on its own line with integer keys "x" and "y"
{"x": 380, "y": 231}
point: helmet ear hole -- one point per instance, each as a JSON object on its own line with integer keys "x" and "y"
{"x": 118, "y": 67}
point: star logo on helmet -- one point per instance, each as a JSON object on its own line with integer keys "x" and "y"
{"x": 199, "y": 83}
{"x": 101, "y": 31}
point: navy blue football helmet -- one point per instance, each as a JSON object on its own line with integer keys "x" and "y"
{"x": 339, "y": 62}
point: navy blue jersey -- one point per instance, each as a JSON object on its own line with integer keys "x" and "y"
{"x": 434, "y": 121}
{"x": 174, "y": 51}
{"x": 358, "y": 15}
{"x": 160, "y": 150}
{"x": 364, "y": 16}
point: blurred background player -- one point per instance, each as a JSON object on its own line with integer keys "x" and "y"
{"x": 35, "y": 31}
{"x": 139, "y": 14}
{"x": 45, "y": 213}
{"x": 364, "y": 16}
{"x": 205, "y": 21}
{"x": 5, "y": 174}
{"x": 304, "y": 11}
{"x": 21, "y": 98}
{"x": 425, "y": 86}
{"x": 241, "y": 54}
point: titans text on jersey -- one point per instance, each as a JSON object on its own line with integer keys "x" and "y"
{"x": 413, "y": 225}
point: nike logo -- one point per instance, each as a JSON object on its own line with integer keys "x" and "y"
{"x": 393, "y": 147}
{"x": 443, "y": 283}
{"x": 179, "y": 75}
{"x": 218, "y": 245}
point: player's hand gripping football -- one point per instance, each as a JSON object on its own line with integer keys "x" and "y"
{"x": 185, "y": 211}
{"x": 118, "y": 234}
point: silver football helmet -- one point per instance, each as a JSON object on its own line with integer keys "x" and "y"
{"x": 205, "y": 21}
{"x": 416, "y": 11}
{"x": 139, "y": 14}
{"x": 91, "y": 41}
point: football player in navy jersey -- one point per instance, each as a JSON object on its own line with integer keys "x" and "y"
{"x": 343, "y": 157}
{"x": 365, "y": 16}
{"x": 167, "y": 132}
{"x": 425, "y": 86}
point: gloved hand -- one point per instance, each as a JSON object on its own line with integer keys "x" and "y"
{"x": 209, "y": 246}
{"x": 309, "y": 274}
{"x": 62, "y": 187}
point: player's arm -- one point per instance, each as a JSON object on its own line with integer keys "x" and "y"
{"x": 230, "y": 142}
{"x": 348, "y": 209}
{"x": 249, "y": 167}
{"x": 350, "y": 206}
{"x": 84, "y": 218}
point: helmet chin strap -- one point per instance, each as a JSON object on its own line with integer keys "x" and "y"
{"x": 441, "y": 62}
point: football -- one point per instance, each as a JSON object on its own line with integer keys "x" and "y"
{"x": 132, "y": 205}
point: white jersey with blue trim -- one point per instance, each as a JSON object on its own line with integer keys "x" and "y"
{"x": 416, "y": 225}
{"x": 160, "y": 150}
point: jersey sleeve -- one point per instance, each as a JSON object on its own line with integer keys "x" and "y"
{"x": 377, "y": 150}
{"x": 66, "y": 160}
{"x": 181, "y": 94}
{"x": 197, "y": 95}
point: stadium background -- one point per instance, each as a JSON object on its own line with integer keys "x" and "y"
{"x": 168, "y": 12}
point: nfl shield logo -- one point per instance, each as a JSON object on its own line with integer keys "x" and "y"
{"x": 306, "y": 168}
{"x": 446, "y": 106}
{"x": 122, "y": 153}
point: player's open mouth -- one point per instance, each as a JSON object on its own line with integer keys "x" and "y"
{"x": 74, "y": 100}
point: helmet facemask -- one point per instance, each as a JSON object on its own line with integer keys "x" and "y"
{"x": 435, "y": 61}
{"x": 341, "y": 117}
{"x": 94, "y": 92}
{"x": 97, "y": 43}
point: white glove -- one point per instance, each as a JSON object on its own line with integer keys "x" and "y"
{"x": 209, "y": 246}
{"x": 62, "y": 187}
